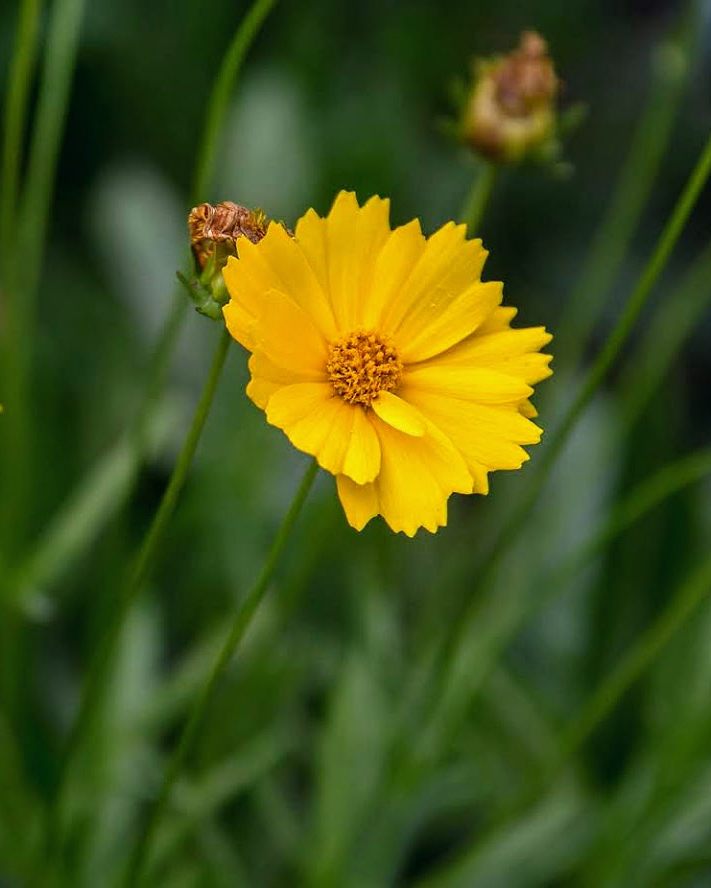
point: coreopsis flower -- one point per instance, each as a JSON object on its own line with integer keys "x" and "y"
{"x": 510, "y": 111}
{"x": 382, "y": 353}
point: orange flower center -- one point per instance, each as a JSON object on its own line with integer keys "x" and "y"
{"x": 361, "y": 365}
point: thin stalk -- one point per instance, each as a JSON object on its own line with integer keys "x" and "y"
{"x": 222, "y": 92}
{"x": 79, "y": 520}
{"x": 240, "y": 623}
{"x": 19, "y": 79}
{"x": 53, "y": 101}
{"x": 671, "y": 64}
{"x": 24, "y": 249}
{"x": 455, "y": 651}
{"x": 690, "y": 596}
{"x": 646, "y": 496}
{"x": 478, "y": 198}
{"x": 156, "y": 373}
{"x": 664, "y": 337}
{"x": 97, "y": 674}
{"x": 693, "y": 592}
{"x": 610, "y": 351}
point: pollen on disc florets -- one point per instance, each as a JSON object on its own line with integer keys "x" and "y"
{"x": 361, "y": 365}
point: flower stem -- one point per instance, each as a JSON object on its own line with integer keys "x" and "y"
{"x": 456, "y": 650}
{"x": 671, "y": 64}
{"x": 140, "y": 433}
{"x": 240, "y": 623}
{"x": 692, "y": 593}
{"x": 222, "y": 91}
{"x": 23, "y": 238}
{"x": 473, "y": 209}
{"x": 98, "y": 669}
{"x": 610, "y": 351}
{"x": 14, "y": 124}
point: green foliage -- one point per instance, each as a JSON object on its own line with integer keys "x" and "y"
{"x": 514, "y": 703}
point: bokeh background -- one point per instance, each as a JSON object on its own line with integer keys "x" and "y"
{"x": 339, "y": 752}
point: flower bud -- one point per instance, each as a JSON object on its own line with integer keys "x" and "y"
{"x": 214, "y": 232}
{"x": 510, "y": 113}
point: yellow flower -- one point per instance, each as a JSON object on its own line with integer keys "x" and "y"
{"x": 383, "y": 354}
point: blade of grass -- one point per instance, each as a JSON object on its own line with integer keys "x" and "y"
{"x": 456, "y": 652}
{"x": 671, "y": 64}
{"x": 78, "y": 522}
{"x": 499, "y": 625}
{"x": 670, "y": 328}
{"x": 19, "y": 80}
{"x": 692, "y": 593}
{"x": 99, "y": 668}
{"x": 157, "y": 371}
{"x": 240, "y": 623}
{"x": 57, "y": 73}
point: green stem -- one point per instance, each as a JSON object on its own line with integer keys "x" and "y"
{"x": 473, "y": 210}
{"x": 222, "y": 91}
{"x": 610, "y": 351}
{"x": 96, "y": 678}
{"x": 691, "y": 595}
{"x": 499, "y": 622}
{"x": 671, "y": 66}
{"x": 26, "y": 266}
{"x": 80, "y": 518}
{"x": 664, "y": 337}
{"x": 18, "y": 88}
{"x": 455, "y": 651}
{"x": 240, "y": 623}
{"x": 157, "y": 371}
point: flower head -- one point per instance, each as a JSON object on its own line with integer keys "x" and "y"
{"x": 510, "y": 112}
{"x": 383, "y": 354}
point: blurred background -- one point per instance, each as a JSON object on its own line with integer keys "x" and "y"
{"x": 368, "y": 734}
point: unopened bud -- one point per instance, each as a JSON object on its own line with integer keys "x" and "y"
{"x": 214, "y": 232}
{"x": 216, "y": 229}
{"x": 510, "y": 111}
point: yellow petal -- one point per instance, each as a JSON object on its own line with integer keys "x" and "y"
{"x": 287, "y": 336}
{"x": 310, "y": 235}
{"x": 288, "y": 267}
{"x": 484, "y": 349}
{"x": 322, "y": 424}
{"x": 268, "y": 377}
{"x": 442, "y": 321}
{"x": 399, "y": 414}
{"x": 448, "y": 266}
{"x": 485, "y": 435}
{"x": 362, "y": 459}
{"x": 532, "y": 368}
{"x": 239, "y": 322}
{"x": 478, "y": 384}
{"x": 248, "y": 280}
{"x": 417, "y": 476}
{"x": 393, "y": 267}
{"x": 354, "y": 238}
{"x": 499, "y": 319}
{"x": 359, "y": 501}
{"x": 528, "y": 410}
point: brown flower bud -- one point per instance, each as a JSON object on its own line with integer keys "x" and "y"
{"x": 216, "y": 229}
{"x": 214, "y": 232}
{"x": 510, "y": 111}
